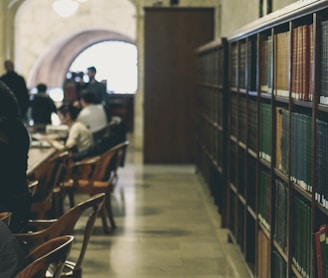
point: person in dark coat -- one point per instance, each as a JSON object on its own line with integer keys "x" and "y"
{"x": 42, "y": 106}
{"x": 14, "y": 147}
{"x": 12, "y": 256}
{"x": 17, "y": 85}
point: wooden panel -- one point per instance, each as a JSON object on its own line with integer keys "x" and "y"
{"x": 171, "y": 38}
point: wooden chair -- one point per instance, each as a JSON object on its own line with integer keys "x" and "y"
{"x": 101, "y": 177}
{"x": 5, "y": 216}
{"x": 43, "y": 230}
{"x": 50, "y": 255}
{"x": 48, "y": 177}
{"x": 32, "y": 186}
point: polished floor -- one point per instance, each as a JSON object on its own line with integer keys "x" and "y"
{"x": 167, "y": 227}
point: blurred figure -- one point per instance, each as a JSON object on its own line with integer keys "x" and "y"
{"x": 12, "y": 256}
{"x": 42, "y": 106}
{"x": 79, "y": 135}
{"x": 17, "y": 85}
{"x": 70, "y": 88}
{"x": 80, "y": 84}
{"x": 14, "y": 147}
{"x": 92, "y": 115}
{"x": 96, "y": 87}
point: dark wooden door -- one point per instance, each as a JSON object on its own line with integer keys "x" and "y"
{"x": 171, "y": 38}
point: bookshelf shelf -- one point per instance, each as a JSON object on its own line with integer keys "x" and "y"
{"x": 273, "y": 135}
{"x": 211, "y": 122}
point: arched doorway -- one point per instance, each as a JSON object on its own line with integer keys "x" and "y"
{"x": 53, "y": 66}
{"x": 116, "y": 63}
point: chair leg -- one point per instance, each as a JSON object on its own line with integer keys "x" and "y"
{"x": 108, "y": 205}
{"x": 71, "y": 198}
{"x": 104, "y": 219}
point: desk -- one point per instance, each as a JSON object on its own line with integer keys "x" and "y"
{"x": 37, "y": 156}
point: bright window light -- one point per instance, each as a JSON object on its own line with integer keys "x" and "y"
{"x": 116, "y": 63}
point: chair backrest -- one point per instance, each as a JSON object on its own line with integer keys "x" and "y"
{"x": 50, "y": 254}
{"x": 5, "y": 216}
{"x": 109, "y": 161}
{"x": 65, "y": 225}
{"x": 48, "y": 175}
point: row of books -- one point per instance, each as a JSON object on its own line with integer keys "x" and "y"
{"x": 210, "y": 104}
{"x": 244, "y": 57}
{"x": 210, "y": 68}
{"x": 302, "y": 236}
{"x": 211, "y": 139}
{"x": 321, "y": 194}
{"x": 301, "y": 149}
{"x": 321, "y": 249}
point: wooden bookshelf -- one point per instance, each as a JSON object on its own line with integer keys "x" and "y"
{"x": 276, "y": 136}
{"x": 212, "y": 119}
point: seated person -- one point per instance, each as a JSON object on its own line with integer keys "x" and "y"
{"x": 78, "y": 135}
{"x": 12, "y": 257}
{"x": 42, "y": 106}
{"x": 116, "y": 135}
{"x": 92, "y": 115}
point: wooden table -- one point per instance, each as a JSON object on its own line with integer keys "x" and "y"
{"x": 37, "y": 156}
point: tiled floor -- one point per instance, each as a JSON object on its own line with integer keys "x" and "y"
{"x": 167, "y": 227}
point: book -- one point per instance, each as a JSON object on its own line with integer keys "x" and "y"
{"x": 321, "y": 163}
{"x": 242, "y": 64}
{"x": 278, "y": 265}
{"x": 302, "y": 236}
{"x": 252, "y": 125}
{"x": 264, "y": 212}
{"x": 281, "y": 63}
{"x": 265, "y": 131}
{"x": 324, "y": 63}
{"x": 281, "y": 204}
{"x": 263, "y": 256}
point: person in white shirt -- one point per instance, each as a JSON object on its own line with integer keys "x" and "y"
{"x": 79, "y": 135}
{"x": 92, "y": 115}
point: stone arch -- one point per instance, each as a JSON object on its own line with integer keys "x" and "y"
{"x": 60, "y": 56}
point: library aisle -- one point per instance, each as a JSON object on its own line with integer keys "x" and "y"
{"x": 167, "y": 226}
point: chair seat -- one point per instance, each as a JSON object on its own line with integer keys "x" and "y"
{"x": 97, "y": 186}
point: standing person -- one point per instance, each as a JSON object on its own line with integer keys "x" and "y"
{"x": 79, "y": 135}
{"x": 14, "y": 146}
{"x": 42, "y": 106}
{"x": 96, "y": 87}
{"x": 17, "y": 85}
